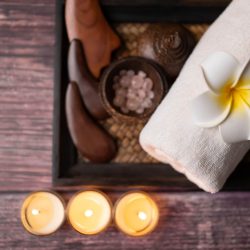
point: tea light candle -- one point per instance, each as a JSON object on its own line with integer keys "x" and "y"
{"x": 89, "y": 212}
{"x": 136, "y": 214}
{"x": 42, "y": 212}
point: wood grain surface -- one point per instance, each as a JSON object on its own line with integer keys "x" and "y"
{"x": 188, "y": 221}
{"x": 26, "y": 93}
{"x": 193, "y": 220}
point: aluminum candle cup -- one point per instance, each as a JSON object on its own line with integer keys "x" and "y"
{"x": 89, "y": 212}
{"x": 136, "y": 214}
{"x": 42, "y": 212}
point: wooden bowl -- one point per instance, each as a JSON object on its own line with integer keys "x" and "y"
{"x": 152, "y": 70}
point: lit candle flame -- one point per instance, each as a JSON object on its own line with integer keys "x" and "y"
{"x": 88, "y": 213}
{"x": 142, "y": 215}
{"x": 35, "y": 211}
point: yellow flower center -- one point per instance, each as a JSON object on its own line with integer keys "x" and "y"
{"x": 239, "y": 96}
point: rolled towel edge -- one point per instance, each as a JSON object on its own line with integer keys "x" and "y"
{"x": 160, "y": 155}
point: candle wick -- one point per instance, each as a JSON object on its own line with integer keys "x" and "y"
{"x": 142, "y": 215}
{"x": 88, "y": 213}
{"x": 35, "y": 211}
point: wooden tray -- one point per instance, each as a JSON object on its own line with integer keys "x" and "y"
{"x": 67, "y": 168}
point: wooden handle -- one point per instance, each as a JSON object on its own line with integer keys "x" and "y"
{"x": 85, "y": 21}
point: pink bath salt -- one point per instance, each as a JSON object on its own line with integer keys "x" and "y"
{"x": 131, "y": 90}
{"x": 141, "y": 93}
{"x": 131, "y": 95}
{"x": 124, "y": 110}
{"x": 151, "y": 94}
{"x": 136, "y": 82}
{"x": 140, "y": 110}
{"x": 148, "y": 84}
{"x": 130, "y": 72}
{"x": 123, "y": 72}
{"x": 119, "y": 101}
{"x": 132, "y": 104}
{"x": 147, "y": 103}
{"x": 125, "y": 81}
{"x": 134, "y": 98}
{"x": 142, "y": 74}
{"x": 139, "y": 99}
{"x": 121, "y": 92}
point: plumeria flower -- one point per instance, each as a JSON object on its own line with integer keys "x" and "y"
{"x": 227, "y": 102}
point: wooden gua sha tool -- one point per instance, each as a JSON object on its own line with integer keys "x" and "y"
{"x": 92, "y": 141}
{"x": 85, "y": 21}
{"x": 88, "y": 86}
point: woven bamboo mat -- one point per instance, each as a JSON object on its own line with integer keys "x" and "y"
{"x": 129, "y": 150}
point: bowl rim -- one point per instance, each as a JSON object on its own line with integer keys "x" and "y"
{"x": 104, "y": 79}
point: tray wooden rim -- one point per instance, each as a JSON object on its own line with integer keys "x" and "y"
{"x": 64, "y": 153}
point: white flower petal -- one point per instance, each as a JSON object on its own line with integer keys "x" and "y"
{"x": 244, "y": 79}
{"x": 220, "y": 71}
{"x": 236, "y": 127}
{"x": 210, "y": 110}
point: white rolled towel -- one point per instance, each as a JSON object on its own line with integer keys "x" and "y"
{"x": 171, "y": 135}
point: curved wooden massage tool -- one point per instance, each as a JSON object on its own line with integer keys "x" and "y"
{"x": 91, "y": 44}
{"x": 85, "y": 22}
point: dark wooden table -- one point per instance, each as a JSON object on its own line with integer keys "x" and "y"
{"x": 193, "y": 220}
